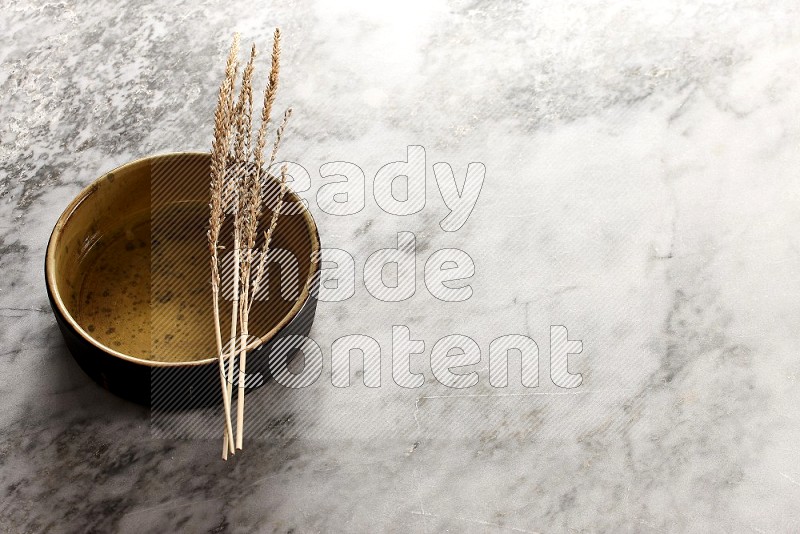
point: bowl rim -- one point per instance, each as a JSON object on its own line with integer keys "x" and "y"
{"x": 54, "y": 243}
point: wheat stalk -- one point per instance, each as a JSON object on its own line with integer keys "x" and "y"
{"x": 237, "y": 167}
{"x": 242, "y": 122}
{"x": 270, "y": 93}
{"x": 273, "y": 222}
{"x": 219, "y": 153}
{"x": 250, "y": 228}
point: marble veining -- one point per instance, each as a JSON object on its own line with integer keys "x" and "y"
{"x": 641, "y": 189}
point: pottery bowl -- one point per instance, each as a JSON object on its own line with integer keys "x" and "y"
{"x": 128, "y": 277}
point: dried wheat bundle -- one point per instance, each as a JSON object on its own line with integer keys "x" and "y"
{"x": 237, "y": 171}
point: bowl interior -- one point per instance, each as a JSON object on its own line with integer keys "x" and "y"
{"x": 129, "y": 263}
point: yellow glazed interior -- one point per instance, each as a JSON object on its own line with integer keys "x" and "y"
{"x": 128, "y": 263}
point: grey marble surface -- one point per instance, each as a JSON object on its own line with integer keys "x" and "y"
{"x": 642, "y": 188}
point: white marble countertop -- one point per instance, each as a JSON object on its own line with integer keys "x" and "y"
{"x": 642, "y": 188}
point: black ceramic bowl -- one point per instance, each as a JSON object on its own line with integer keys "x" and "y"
{"x": 92, "y": 285}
